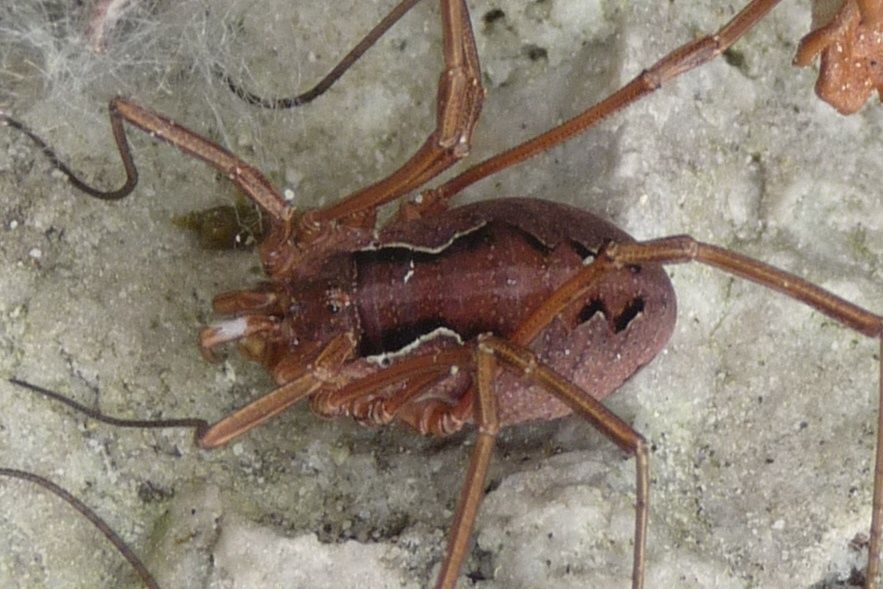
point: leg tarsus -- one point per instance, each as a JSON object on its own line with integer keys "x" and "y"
{"x": 877, "y": 502}
{"x": 89, "y": 514}
{"x": 331, "y": 77}
{"x": 198, "y": 425}
{"x": 81, "y": 185}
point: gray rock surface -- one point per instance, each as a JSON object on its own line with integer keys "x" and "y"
{"x": 760, "y": 412}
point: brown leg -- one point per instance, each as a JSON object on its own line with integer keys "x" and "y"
{"x": 114, "y": 538}
{"x": 683, "y": 248}
{"x": 487, "y": 423}
{"x": 331, "y": 403}
{"x": 198, "y": 425}
{"x": 309, "y": 380}
{"x": 677, "y": 62}
{"x": 336, "y": 72}
{"x": 258, "y": 411}
{"x": 523, "y": 362}
{"x": 247, "y": 178}
{"x": 277, "y": 251}
{"x": 459, "y": 100}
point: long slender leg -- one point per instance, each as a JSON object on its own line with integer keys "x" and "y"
{"x": 198, "y": 425}
{"x": 459, "y": 100}
{"x": 680, "y": 249}
{"x": 244, "y": 176}
{"x": 194, "y": 423}
{"x": 677, "y": 62}
{"x": 683, "y": 248}
{"x": 523, "y": 362}
{"x": 277, "y": 252}
{"x": 460, "y": 95}
{"x": 258, "y": 411}
{"x": 331, "y": 402}
{"x": 336, "y": 72}
{"x": 487, "y": 423}
{"x": 310, "y": 379}
{"x": 90, "y": 515}
{"x": 247, "y": 178}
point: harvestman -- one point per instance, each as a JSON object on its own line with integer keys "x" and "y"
{"x": 299, "y": 241}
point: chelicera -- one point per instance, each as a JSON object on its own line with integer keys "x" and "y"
{"x": 358, "y": 319}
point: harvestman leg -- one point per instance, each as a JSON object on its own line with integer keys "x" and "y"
{"x": 331, "y": 77}
{"x": 672, "y": 65}
{"x": 522, "y": 361}
{"x": 245, "y": 177}
{"x": 459, "y": 100}
{"x": 198, "y": 425}
{"x": 419, "y": 372}
{"x": 682, "y": 249}
{"x": 96, "y": 520}
{"x": 308, "y": 377}
{"x": 458, "y": 105}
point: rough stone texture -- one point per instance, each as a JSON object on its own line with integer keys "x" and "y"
{"x": 760, "y": 412}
